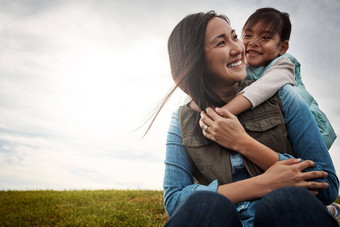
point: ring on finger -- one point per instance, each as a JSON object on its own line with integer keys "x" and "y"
{"x": 308, "y": 186}
{"x": 206, "y": 127}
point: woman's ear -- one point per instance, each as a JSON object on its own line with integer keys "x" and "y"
{"x": 284, "y": 47}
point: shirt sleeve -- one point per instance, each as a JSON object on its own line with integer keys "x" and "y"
{"x": 307, "y": 142}
{"x": 281, "y": 73}
{"x": 178, "y": 178}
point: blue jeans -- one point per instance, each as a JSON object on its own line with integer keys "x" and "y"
{"x": 291, "y": 206}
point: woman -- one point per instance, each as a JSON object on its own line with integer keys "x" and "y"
{"x": 207, "y": 62}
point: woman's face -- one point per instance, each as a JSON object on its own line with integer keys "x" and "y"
{"x": 261, "y": 46}
{"x": 224, "y": 54}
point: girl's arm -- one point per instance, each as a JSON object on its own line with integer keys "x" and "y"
{"x": 281, "y": 73}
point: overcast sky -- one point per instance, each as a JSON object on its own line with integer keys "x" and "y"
{"x": 78, "y": 77}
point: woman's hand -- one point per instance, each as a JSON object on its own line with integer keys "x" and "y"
{"x": 289, "y": 173}
{"x": 281, "y": 174}
{"x": 223, "y": 127}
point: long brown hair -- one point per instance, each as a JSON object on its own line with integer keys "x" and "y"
{"x": 186, "y": 54}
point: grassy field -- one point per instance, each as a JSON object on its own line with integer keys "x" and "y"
{"x": 82, "y": 208}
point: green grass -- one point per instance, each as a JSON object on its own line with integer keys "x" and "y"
{"x": 82, "y": 208}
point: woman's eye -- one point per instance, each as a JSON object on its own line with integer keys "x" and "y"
{"x": 220, "y": 43}
{"x": 246, "y": 36}
{"x": 266, "y": 37}
{"x": 235, "y": 37}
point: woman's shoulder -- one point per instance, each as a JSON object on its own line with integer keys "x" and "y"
{"x": 184, "y": 112}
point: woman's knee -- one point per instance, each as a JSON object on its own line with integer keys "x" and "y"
{"x": 205, "y": 208}
{"x": 287, "y": 196}
{"x": 207, "y": 197}
{"x": 291, "y": 206}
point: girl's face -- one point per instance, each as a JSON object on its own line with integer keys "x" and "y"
{"x": 262, "y": 46}
{"x": 224, "y": 54}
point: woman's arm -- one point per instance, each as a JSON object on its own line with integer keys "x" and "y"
{"x": 282, "y": 174}
{"x": 178, "y": 178}
{"x": 281, "y": 73}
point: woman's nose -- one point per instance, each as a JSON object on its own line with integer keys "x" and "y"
{"x": 237, "y": 48}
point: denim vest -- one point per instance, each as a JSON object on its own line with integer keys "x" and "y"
{"x": 264, "y": 123}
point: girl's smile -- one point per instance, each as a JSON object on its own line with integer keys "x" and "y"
{"x": 262, "y": 46}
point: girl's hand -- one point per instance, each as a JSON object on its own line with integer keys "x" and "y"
{"x": 223, "y": 127}
{"x": 289, "y": 173}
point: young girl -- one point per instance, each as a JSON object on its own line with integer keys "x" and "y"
{"x": 266, "y": 38}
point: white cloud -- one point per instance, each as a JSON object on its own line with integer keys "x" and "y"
{"x": 78, "y": 77}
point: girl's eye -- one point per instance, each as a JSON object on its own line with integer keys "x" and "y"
{"x": 245, "y": 36}
{"x": 220, "y": 43}
{"x": 266, "y": 37}
{"x": 235, "y": 37}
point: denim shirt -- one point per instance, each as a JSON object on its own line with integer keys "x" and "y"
{"x": 305, "y": 138}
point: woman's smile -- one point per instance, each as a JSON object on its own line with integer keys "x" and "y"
{"x": 235, "y": 64}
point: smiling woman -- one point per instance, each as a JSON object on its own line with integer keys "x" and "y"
{"x": 220, "y": 40}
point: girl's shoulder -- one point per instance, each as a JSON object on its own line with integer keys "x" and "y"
{"x": 284, "y": 58}
{"x": 291, "y": 58}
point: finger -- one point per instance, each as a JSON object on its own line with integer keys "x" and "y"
{"x": 206, "y": 112}
{"x": 206, "y": 119}
{"x": 203, "y": 125}
{"x": 306, "y": 164}
{"x": 314, "y": 175}
{"x": 205, "y": 129}
{"x": 290, "y": 161}
{"x": 212, "y": 114}
{"x": 313, "y": 185}
{"x": 314, "y": 192}
{"x": 224, "y": 112}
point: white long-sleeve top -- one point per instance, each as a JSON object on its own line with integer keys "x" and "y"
{"x": 282, "y": 72}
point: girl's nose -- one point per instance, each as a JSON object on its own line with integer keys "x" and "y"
{"x": 253, "y": 42}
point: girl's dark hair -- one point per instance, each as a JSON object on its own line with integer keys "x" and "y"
{"x": 186, "y": 54}
{"x": 271, "y": 20}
